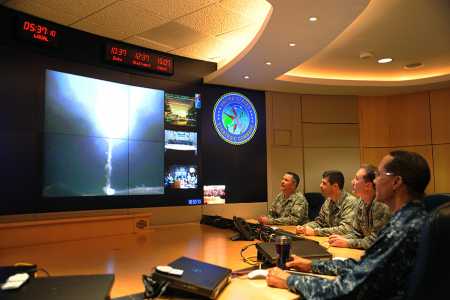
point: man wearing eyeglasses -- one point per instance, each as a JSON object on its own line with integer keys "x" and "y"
{"x": 382, "y": 273}
{"x": 370, "y": 216}
{"x": 337, "y": 212}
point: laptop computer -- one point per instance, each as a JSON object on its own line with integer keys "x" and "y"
{"x": 267, "y": 253}
{"x": 86, "y": 287}
{"x": 199, "y": 278}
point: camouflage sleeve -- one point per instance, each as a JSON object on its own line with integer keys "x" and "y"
{"x": 381, "y": 216}
{"x": 331, "y": 267}
{"x": 320, "y": 220}
{"x": 345, "y": 225}
{"x": 310, "y": 287}
{"x": 356, "y": 232}
{"x": 298, "y": 213}
{"x": 271, "y": 212}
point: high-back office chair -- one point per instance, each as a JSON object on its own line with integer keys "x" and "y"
{"x": 315, "y": 201}
{"x": 431, "y": 276}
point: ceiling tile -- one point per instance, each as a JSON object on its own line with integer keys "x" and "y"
{"x": 143, "y": 42}
{"x": 44, "y": 12}
{"x": 256, "y": 10}
{"x": 214, "y": 20}
{"x": 79, "y": 8}
{"x": 210, "y": 49}
{"x": 238, "y": 40}
{"x": 121, "y": 17}
{"x": 102, "y": 30}
{"x": 171, "y": 9}
{"x": 173, "y": 34}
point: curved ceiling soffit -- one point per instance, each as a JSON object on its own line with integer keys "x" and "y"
{"x": 378, "y": 26}
{"x": 285, "y": 22}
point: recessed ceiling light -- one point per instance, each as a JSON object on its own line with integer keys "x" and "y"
{"x": 415, "y": 65}
{"x": 268, "y": 63}
{"x": 384, "y": 60}
{"x": 292, "y": 44}
{"x": 246, "y": 77}
{"x": 313, "y": 19}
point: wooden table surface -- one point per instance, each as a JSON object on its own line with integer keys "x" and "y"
{"x": 131, "y": 255}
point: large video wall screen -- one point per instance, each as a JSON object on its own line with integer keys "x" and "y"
{"x": 101, "y": 138}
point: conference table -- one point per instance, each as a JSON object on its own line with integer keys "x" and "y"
{"x": 129, "y": 256}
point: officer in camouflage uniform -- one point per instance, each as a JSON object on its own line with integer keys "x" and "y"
{"x": 370, "y": 215}
{"x": 383, "y": 272}
{"x": 337, "y": 213}
{"x": 289, "y": 207}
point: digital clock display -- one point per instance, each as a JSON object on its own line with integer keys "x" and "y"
{"x": 138, "y": 58}
{"x": 30, "y": 29}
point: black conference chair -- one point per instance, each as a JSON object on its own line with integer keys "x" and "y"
{"x": 431, "y": 276}
{"x": 315, "y": 201}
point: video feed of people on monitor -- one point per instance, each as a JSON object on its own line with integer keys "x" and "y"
{"x": 180, "y": 141}
{"x": 180, "y": 110}
{"x": 102, "y": 138}
{"x": 181, "y": 177}
{"x": 214, "y": 194}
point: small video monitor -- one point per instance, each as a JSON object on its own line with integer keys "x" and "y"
{"x": 214, "y": 194}
{"x": 180, "y": 176}
{"x": 180, "y": 141}
{"x": 180, "y": 110}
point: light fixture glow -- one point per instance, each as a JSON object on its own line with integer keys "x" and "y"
{"x": 268, "y": 63}
{"x": 313, "y": 19}
{"x": 384, "y": 60}
{"x": 292, "y": 44}
{"x": 246, "y": 77}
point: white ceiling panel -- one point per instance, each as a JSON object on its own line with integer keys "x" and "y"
{"x": 254, "y": 10}
{"x": 143, "y": 42}
{"x": 35, "y": 9}
{"x": 102, "y": 30}
{"x": 79, "y": 8}
{"x": 172, "y": 9}
{"x": 210, "y": 49}
{"x": 121, "y": 17}
{"x": 214, "y": 20}
{"x": 174, "y": 35}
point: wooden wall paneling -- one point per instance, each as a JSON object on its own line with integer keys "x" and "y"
{"x": 269, "y": 141}
{"x": 282, "y": 137}
{"x": 286, "y": 115}
{"x": 374, "y": 121}
{"x": 441, "y": 155}
{"x": 440, "y": 116}
{"x": 410, "y": 115}
{"x": 20, "y": 234}
{"x": 243, "y": 210}
{"x": 427, "y": 152}
{"x": 329, "y": 109}
{"x": 318, "y": 160}
{"x": 285, "y": 159}
{"x": 330, "y": 135}
{"x": 374, "y": 156}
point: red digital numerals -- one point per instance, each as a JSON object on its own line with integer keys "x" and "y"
{"x": 138, "y": 58}
{"x": 39, "y": 32}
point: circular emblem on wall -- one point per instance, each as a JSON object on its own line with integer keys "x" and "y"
{"x": 235, "y": 118}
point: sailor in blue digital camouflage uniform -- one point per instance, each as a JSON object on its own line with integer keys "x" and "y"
{"x": 382, "y": 273}
{"x": 290, "y": 206}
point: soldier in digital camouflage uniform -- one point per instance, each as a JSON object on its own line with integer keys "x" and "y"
{"x": 289, "y": 207}
{"x": 370, "y": 216}
{"x": 337, "y": 212}
{"x": 383, "y": 272}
